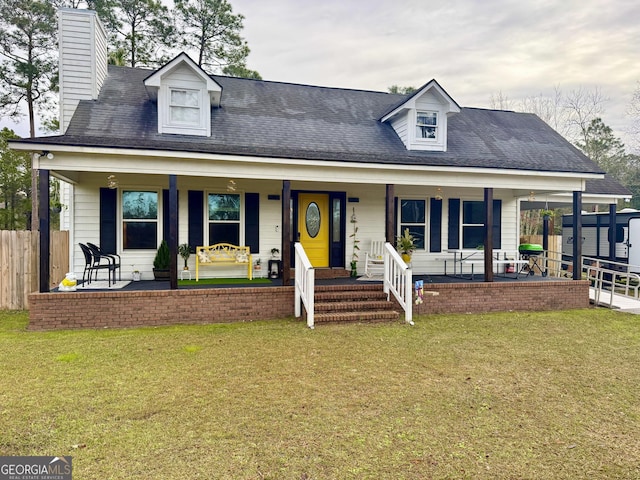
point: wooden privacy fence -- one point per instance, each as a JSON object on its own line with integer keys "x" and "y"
{"x": 19, "y": 265}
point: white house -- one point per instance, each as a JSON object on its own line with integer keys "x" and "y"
{"x": 264, "y": 164}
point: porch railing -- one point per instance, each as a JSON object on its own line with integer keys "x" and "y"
{"x": 398, "y": 280}
{"x": 611, "y": 277}
{"x": 304, "y": 284}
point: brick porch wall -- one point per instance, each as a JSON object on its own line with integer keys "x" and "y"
{"x": 50, "y": 311}
{"x": 504, "y": 297}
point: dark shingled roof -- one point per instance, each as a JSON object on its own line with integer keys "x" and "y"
{"x": 606, "y": 186}
{"x": 304, "y": 122}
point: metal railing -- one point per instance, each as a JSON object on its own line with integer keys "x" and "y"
{"x": 304, "y": 284}
{"x": 611, "y": 277}
{"x": 603, "y": 276}
{"x": 398, "y": 280}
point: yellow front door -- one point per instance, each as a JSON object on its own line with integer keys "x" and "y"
{"x": 313, "y": 226}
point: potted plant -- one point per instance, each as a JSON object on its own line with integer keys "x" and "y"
{"x": 405, "y": 244}
{"x": 161, "y": 262}
{"x": 275, "y": 252}
{"x": 258, "y": 265}
{"x": 185, "y": 252}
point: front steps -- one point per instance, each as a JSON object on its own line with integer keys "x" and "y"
{"x": 353, "y": 303}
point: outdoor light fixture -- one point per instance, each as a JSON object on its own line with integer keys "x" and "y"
{"x": 112, "y": 182}
{"x": 231, "y": 186}
{"x": 532, "y": 196}
{"x": 438, "y": 194}
{"x": 45, "y": 153}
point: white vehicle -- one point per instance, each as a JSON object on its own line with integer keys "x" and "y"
{"x": 596, "y": 236}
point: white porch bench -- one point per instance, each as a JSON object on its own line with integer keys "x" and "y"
{"x": 223, "y": 254}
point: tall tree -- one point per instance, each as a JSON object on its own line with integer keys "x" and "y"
{"x": 27, "y": 42}
{"x": 634, "y": 112}
{"x": 401, "y": 90}
{"x": 213, "y": 31}
{"x": 142, "y": 28}
{"x": 15, "y": 181}
{"x": 604, "y": 148}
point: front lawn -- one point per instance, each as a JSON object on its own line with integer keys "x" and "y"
{"x": 506, "y": 396}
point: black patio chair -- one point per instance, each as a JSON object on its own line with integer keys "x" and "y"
{"x": 95, "y": 263}
{"x": 114, "y": 257}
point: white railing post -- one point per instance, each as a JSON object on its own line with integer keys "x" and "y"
{"x": 398, "y": 280}
{"x": 304, "y": 285}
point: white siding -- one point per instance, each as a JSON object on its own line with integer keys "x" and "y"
{"x": 83, "y": 60}
{"x": 369, "y": 211}
{"x": 400, "y": 125}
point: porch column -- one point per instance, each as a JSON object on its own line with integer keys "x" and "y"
{"x": 612, "y": 232}
{"x": 545, "y": 240}
{"x": 44, "y": 227}
{"x": 488, "y": 235}
{"x": 577, "y": 235}
{"x": 286, "y": 232}
{"x": 389, "y": 228}
{"x": 173, "y": 231}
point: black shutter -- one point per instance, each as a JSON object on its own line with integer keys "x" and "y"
{"x": 497, "y": 224}
{"x": 454, "y": 223}
{"x": 108, "y": 216}
{"x": 252, "y": 221}
{"x": 196, "y": 219}
{"x": 435, "y": 226}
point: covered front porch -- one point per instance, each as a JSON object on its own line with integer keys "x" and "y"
{"x": 153, "y": 303}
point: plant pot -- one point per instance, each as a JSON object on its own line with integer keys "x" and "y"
{"x": 136, "y": 276}
{"x": 160, "y": 274}
{"x": 406, "y": 257}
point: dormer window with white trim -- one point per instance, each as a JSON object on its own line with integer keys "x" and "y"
{"x": 420, "y": 120}
{"x": 426, "y": 125}
{"x": 184, "y": 107}
{"x": 185, "y": 95}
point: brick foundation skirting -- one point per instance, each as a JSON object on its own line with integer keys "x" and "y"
{"x": 51, "y": 311}
{"x": 504, "y": 297}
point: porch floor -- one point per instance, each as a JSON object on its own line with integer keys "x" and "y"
{"x": 148, "y": 285}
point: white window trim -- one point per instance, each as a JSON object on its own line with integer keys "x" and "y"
{"x": 437, "y": 144}
{"x": 436, "y": 126}
{"x": 427, "y": 213}
{"x": 165, "y": 125}
{"x": 208, "y": 222}
{"x": 121, "y": 219}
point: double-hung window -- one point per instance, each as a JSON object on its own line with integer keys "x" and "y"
{"x": 184, "y": 107}
{"x": 224, "y": 218}
{"x": 139, "y": 219}
{"x": 473, "y": 228}
{"x": 426, "y": 125}
{"x": 413, "y": 216}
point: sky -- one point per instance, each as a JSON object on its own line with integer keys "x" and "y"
{"x": 473, "y": 48}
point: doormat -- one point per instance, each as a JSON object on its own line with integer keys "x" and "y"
{"x": 224, "y": 281}
{"x": 103, "y": 285}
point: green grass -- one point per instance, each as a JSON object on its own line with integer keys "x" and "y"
{"x": 224, "y": 281}
{"x": 501, "y": 396}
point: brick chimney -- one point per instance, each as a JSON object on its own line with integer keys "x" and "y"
{"x": 83, "y": 59}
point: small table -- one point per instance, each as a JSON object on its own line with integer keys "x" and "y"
{"x": 185, "y": 272}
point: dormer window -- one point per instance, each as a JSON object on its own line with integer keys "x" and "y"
{"x": 426, "y": 125}
{"x": 184, "y": 107}
{"x": 185, "y": 95}
{"x": 420, "y": 119}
